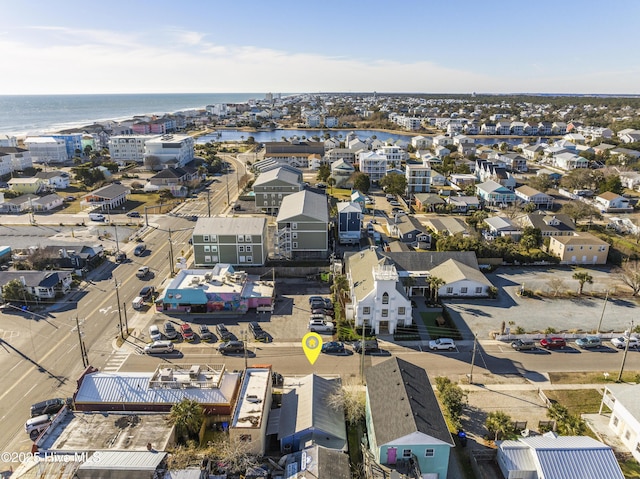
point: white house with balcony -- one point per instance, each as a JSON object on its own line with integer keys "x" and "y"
{"x": 47, "y": 150}
{"x": 624, "y": 419}
{"x": 418, "y": 178}
{"x": 168, "y": 150}
{"x": 378, "y": 300}
{"x": 373, "y": 164}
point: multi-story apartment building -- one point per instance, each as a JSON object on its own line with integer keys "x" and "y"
{"x": 303, "y": 226}
{"x": 395, "y": 155}
{"x": 373, "y": 164}
{"x": 418, "y": 178}
{"x": 273, "y": 185}
{"x": 72, "y": 142}
{"x": 124, "y": 148}
{"x": 349, "y": 222}
{"x": 168, "y": 150}
{"x": 45, "y": 149}
{"x": 235, "y": 241}
{"x": 15, "y": 159}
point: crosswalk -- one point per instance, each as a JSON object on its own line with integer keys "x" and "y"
{"x": 115, "y": 361}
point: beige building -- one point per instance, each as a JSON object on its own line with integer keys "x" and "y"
{"x": 580, "y": 248}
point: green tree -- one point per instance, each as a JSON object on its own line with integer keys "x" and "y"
{"x": 187, "y": 417}
{"x": 361, "y": 182}
{"x": 331, "y": 181}
{"x": 394, "y": 184}
{"x": 578, "y": 210}
{"x": 323, "y": 172}
{"x": 87, "y": 150}
{"x": 14, "y": 290}
{"x": 611, "y": 183}
{"x": 499, "y": 424}
{"x": 582, "y": 277}
{"x": 452, "y": 398}
{"x": 528, "y": 242}
{"x": 630, "y": 275}
{"x": 434, "y": 285}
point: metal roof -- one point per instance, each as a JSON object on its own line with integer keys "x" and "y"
{"x": 222, "y": 225}
{"x": 304, "y": 203}
{"x": 123, "y": 460}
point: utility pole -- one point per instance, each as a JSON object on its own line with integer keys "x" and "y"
{"x": 119, "y": 310}
{"x": 83, "y": 351}
{"x": 473, "y": 357}
{"x": 208, "y": 204}
{"x": 226, "y": 176}
{"x": 606, "y": 297}
{"x": 245, "y": 351}
{"x": 362, "y": 353}
{"x": 171, "y": 254}
{"x": 126, "y": 320}
{"x": 626, "y": 350}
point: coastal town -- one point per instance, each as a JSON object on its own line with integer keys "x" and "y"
{"x": 469, "y": 263}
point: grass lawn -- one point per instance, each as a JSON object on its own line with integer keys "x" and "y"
{"x": 578, "y": 401}
{"x": 342, "y": 194}
{"x": 630, "y": 468}
{"x": 448, "y": 330}
{"x": 593, "y": 377}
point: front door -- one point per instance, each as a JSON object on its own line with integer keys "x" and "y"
{"x": 392, "y": 454}
{"x": 384, "y": 327}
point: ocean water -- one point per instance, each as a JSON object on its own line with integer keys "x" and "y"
{"x": 36, "y": 114}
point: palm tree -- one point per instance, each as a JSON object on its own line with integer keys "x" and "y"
{"x": 499, "y": 423}
{"x": 187, "y": 417}
{"x": 331, "y": 181}
{"x": 582, "y": 277}
{"x": 340, "y": 286}
{"x": 434, "y": 285}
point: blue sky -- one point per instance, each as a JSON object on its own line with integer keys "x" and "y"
{"x": 455, "y": 46}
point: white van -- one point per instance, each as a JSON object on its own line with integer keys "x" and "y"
{"x": 137, "y": 303}
{"x": 36, "y": 425}
{"x": 159, "y": 347}
{"x": 96, "y": 217}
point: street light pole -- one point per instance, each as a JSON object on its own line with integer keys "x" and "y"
{"x": 626, "y": 350}
{"x": 171, "y": 254}
{"x": 606, "y": 297}
{"x": 83, "y": 351}
{"x": 473, "y": 357}
{"x": 119, "y": 310}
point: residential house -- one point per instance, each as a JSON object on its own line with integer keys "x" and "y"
{"x": 493, "y": 193}
{"x": 378, "y": 300}
{"x": 490, "y": 171}
{"x": 427, "y": 202}
{"x": 604, "y": 147}
{"x": 306, "y": 416}
{"x": 409, "y": 230}
{"x": 230, "y": 240}
{"x": 303, "y": 226}
{"x": 441, "y": 151}
{"x": 31, "y": 185}
{"x": 272, "y": 186}
{"x": 624, "y": 419}
{"x": 47, "y": 202}
{"x": 19, "y": 205}
{"x": 630, "y": 179}
{"x": 579, "y": 248}
{"x": 629, "y": 135}
{"x": 462, "y": 180}
{"x": 442, "y": 140}
{"x": 341, "y": 172}
{"x": 559, "y": 128}
{"x": 250, "y": 415}
{"x": 551, "y": 456}
{"x": 318, "y": 462}
{"x": 532, "y": 152}
{"x": 438, "y": 179}
{"x": 488, "y": 129}
{"x": 549, "y": 224}
{"x": 447, "y": 226}
{"x": 358, "y": 197}
{"x": 395, "y": 155}
{"x": 128, "y": 148}
{"x": 526, "y": 194}
{"x": 575, "y": 138}
{"x": 516, "y": 128}
{"x": 70, "y": 257}
{"x": 501, "y": 226}
{"x": 460, "y": 280}
{"x": 503, "y": 128}
{"x": 421, "y": 142}
{"x": 297, "y": 152}
{"x": 17, "y": 159}
{"x": 553, "y": 175}
{"x": 335, "y": 154}
{"x": 418, "y": 178}
{"x": 54, "y": 180}
{"x": 530, "y": 128}
{"x": 349, "y": 222}
{"x": 168, "y": 150}
{"x": 544, "y": 128}
{"x": 373, "y": 164}
{"x": 176, "y": 180}
{"x": 8, "y": 141}
{"x": 412, "y": 434}
{"x": 108, "y": 197}
{"x": 610, "y": 202}
{"x": 514, "y": 161}
{"x": 625, "y": 154}
{"x": 46, "y": 150}
{"x": 43, "y": 285}
{"x": 570, "y": 161}
{"x": 463, "y": 204}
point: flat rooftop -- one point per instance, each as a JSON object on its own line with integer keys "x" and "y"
{"x": 252, "y": 400}
{"x": 222, "y": 280}
{"x": 90, "y": 431}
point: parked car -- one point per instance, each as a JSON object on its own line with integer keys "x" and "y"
{"x": 259, "y": 334}
{"x": 523, "y": 344}
{"x": 159, "y": 347}
{"x": 223, "y": 332}
{"x": 389, "y": 196}
{"x": 315, "y": 299}
{"x": 50, "y": 406}
{"x": 133, "y": 214}
{"x": 142, "y": 271}
{"x": 621, "y": 342}
{"x": 553, "y": 342}
{"x": 370, "y": 345}
{"x": 205, "y": 333}
{"x": 320, "y": 326}
{"x": 589, "y": 342}
{"x": 140, "y": 249}
{"x": 121, "y": 257}
{"x": 324, "y": 312}
{"x": 319, "y": 317}
{"x": 36, "y": 425}
{"x": 333, "y": 347}
{"x": 186, "y": 332}
{"x": 321, "y": 185}
{"x": 328, "y": 304}
{"x": 170, "y": 330}
{"x": 231, "y": 347}
{"x": 154, "y": 333}
{"x": 442, "y": 344}
{"x": 147, "y": 293}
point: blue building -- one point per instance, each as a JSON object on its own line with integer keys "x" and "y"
{"x": 72, "y": 141}
{"x": 349, "y": 222}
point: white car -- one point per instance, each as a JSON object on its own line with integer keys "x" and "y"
{"x": 442, "y": 343}
{"x": 621, "y": 342}
{"x": 154, "y": 333}
{"x": 320, "y": 326}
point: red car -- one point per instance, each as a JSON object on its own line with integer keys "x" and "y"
{"x": 553, "y": 342}
{"x": 187, "y": 332}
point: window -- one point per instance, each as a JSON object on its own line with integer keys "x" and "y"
{"x": 463, "y": 290}
{"x": 615, "y": 420}
{"x": 294, "y": 226}
{"x": 385, "y": 298}
{"x": 240, "y": 238}
{"x": 247, "y": 248}
{"x": 207, "y": 259}
{"x": 207, "y": 249}
{"x": 406, "y": 453}
{"x": 429, "y": 453}
{"x": 627, "y": 435}
{"x": 479, "y": 290}
{"x": 366, "y": 310}
{"x": 241, "y": 249}
{"x": 295, "y": 244}
{"x": 247, "y": 238}
{"x": 385, "y": 313}
{"x": 214, "y": 238}
{"x": 206, "y": 238}
{"x": 214, "y": 249}
{"x": 401, "y": 311}
{"x": 294, "y": 235}
{"x": 249, "y": 259}
{"x": 449, "y": 289}
{"x": 245, "y": 437}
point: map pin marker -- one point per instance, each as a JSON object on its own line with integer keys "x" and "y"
{"x": 312, "y": 345}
